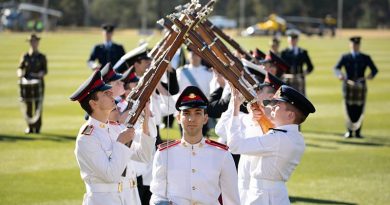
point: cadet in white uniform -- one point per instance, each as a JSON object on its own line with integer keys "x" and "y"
{"x": 251, "y": 128}
{"x": 277, "y": 152}
{"x": 194, "y": 74}
{"x": 101, "y": 151}
{"x": 193, "y": 170}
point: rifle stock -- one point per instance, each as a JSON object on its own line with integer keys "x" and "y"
{"x": 229, "y": 40}
{"x": 196, "y": 41}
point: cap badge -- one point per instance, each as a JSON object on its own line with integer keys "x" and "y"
{"x": 192, "y": 96}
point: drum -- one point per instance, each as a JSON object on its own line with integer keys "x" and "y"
{"x": 297, "y": 81}
{"x": 30, "y": 89}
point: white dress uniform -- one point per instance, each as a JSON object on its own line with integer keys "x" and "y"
{"x": 251, "y": 129}
{"x": 188, "y": 174}
{"x": 102, "y": 161}
{"x": 201, "y": 74}
{"x": 279, "y": 152}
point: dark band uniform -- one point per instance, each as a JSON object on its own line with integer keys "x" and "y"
{"x": 187, "y": 174}
{"x": 281, "y": 66}
{"x": 354, "y": 86}
{"x": 296, "y": 57}
{"x": 107, "y": 52}
{"x": 33, "y": 67}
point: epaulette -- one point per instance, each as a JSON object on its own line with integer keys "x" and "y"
{"x": 113, "y": 122}
{"x": 217, "y": 144}
{"x": 168, "y": 144}
{"x": 87, "y": 130}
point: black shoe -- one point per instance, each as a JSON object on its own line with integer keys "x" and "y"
{"x": 359, "y": 136}
{"x": 36, "y": 131}
{"x": 348, "y": 135}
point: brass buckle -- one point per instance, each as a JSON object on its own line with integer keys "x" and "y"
{"x": 120, "y": 187}
{"x": 133, "y": 183}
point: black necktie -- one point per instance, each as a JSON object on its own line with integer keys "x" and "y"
{"x": 280, "y": 130}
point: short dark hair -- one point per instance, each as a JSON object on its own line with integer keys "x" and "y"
{"x": 85, "y": 102}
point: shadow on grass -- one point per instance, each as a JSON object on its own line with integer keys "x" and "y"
{"x": 378, "y": 141}
{"x": 296, "y": 199}
{"x": 321, "y": 146}
{"x": 37, "y": 137}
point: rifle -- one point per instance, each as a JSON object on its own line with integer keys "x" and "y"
{"x": 152, "y": 76}
{"x": 148, "y": 82}
{"x": 238, "y": 82}
{"x": 229, "y": 40}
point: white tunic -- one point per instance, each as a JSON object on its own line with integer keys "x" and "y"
{"x": 201, "y": 74}
{"x": 102, "y": 161}
{"x": 279, "y": 153}
{"x": 194, "y": 174}
{"x": 251, "y": 129}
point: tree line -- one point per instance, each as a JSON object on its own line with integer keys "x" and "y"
{"x": 129, "y": 13}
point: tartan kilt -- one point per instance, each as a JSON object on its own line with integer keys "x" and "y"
{"x": 354, "y": 93}
{"x": 297, "y": 81}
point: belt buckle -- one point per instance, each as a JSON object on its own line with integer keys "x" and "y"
{"x": 120, "y": 187}
{"x": 133, "y": 183}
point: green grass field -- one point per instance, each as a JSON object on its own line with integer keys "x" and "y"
{"x": 41, "y": 169}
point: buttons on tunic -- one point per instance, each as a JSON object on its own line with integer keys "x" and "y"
{"x": 193, "y": 188}
{"x": 193, "y": 170}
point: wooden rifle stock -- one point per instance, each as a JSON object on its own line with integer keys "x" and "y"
{"x": 222, "y": 52}
{"x": 153, "y": 75}
{"x": 198, "y": 43}
{"x": 156, "y": 49}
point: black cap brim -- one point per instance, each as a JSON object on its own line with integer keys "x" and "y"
{"x": 273, "y": 101}
{"x": 103, "y": 87}
{"x": 185, "y": 107}
{"x": 116, "y": 77}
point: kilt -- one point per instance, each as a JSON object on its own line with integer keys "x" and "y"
{"x": 354, "y": 92}
{"x": 297, "y": 81}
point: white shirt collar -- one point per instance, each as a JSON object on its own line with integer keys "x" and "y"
{"x": 199, "y": 144}
{"x": 290, "y": 127}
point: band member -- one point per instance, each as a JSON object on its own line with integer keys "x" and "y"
{"x": 274, "y": 45}
{"x": 194, "y": 74}
{"x": 275, "y": 65}
{"x": 107, "y": 51}
{"x": 276, "y": 153}
{"x": 296, "y": 57}
{"x": 193, "y": 170}
{"x": 354, "y": 85}
{"x": 32, "y": 69}
{"x": 105, "y": 161}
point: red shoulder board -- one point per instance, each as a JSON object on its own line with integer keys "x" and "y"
{"x": 217, "y": 144}
{"x": 168, "y": 144}
{"x": 113, "y": 122}
{"x": 87, "y": 130}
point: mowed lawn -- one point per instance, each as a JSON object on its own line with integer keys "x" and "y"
{"x": 41, "y": 169}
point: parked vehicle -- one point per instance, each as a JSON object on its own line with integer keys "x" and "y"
{"x": 223, "y": 22}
